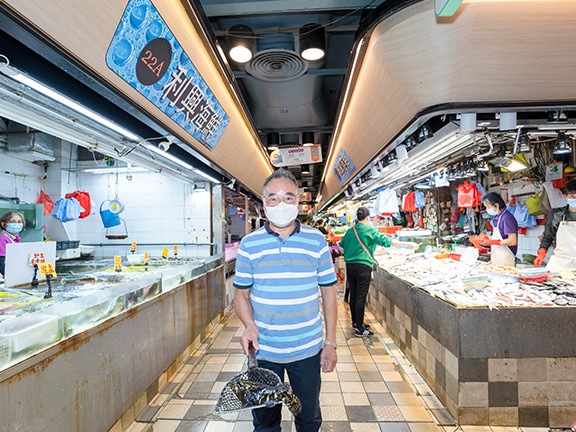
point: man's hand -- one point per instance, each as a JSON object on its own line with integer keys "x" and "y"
{"x": 488, "y": 242}
{"x": 328, "y": 358}
{"x": 249, "y": 335}
{"x": 540, "y": 258}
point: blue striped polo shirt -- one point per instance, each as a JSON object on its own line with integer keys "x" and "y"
{"x": 283, "y": 277}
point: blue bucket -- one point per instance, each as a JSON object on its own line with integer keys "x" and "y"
{"x": 109, "y": 219}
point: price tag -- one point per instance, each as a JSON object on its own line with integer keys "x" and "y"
{"x": 46, "y": 269}
{"x": 37, "y": 258}
{"x": 133, "y": 247}
{"x": 146, "y": 258}
{"x": 165, "y": 253}
{"x": 566, "y": 274}
{"x": 118, "y": 263}
{"x": 175, "y": 250}
{"x": 554, "y": 171}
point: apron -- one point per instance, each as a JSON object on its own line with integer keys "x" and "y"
{"x": 501, "y": 255}
{"x": 565, "y": 251}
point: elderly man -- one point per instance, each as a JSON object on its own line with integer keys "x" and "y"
{"x": 279, "y": 268}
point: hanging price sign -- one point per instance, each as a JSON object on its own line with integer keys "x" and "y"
{"x": 133, "y": 247}
{"x": 146, "y": 258}
{"x": 37, "y": 258}
{"x": 554, "y": 171}
{"x": 46, "y": 269}
{"x": 165, "y": 253}
{"x": 566, "y": 274}
{"x": 175, "y": 250}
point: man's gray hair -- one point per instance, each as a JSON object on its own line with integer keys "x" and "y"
{"x": 280, "y": 173}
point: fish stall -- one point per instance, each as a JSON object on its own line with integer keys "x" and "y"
{"x": 496, "y": 344}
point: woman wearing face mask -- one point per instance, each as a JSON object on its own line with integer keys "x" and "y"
{"x": 11, "y": 224}
{"x": 561, "y": 226}
{"x": 504, "y": 241}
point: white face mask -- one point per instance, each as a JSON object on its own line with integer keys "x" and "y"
{"x": 282, "y": 214}
{"x": 492, "y": 212}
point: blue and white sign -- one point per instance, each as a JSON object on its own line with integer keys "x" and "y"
{"x": 146, "y": 55}
{"x": 343, "y": 166}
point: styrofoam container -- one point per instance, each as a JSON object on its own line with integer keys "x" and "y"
{"x": 136, "y": 259}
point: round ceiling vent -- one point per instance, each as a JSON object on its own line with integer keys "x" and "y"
{"x": 277, "y": 65}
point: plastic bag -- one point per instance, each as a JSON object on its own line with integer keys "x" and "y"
{"x": 387, "y": 202}
{"x": 85, "y": 202}
{"x": 468, "y": 195}
{"x": 533, "y": 204}
{"x": 419, "y": 199}
{"x": 522, "y": 216}
{"x": 409, "y": 202}
{"x": 47, "y": 201}
{"x": 67, "y": 209}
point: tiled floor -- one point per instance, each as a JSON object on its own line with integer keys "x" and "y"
{"x": 373, "y": 389}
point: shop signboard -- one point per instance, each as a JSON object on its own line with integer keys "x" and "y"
{"x": 296, "y": 156}
{"x": 146, "y": 55}
{"x": 305, "y": 196}
{"x": 304, "y": 209}
{"x": 343, "y": 166}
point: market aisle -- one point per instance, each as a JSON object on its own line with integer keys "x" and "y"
{"x": 373, "y": 389}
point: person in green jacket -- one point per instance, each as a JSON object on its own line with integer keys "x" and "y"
{"x": 359, "y": 264}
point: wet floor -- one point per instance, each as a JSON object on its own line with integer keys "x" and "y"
{"x": 373, "y": 389}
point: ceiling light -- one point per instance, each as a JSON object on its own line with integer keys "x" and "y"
{"x": 410, "y": 142}
{"x": 273, "y": 139}
{"x": 510, "y": 164}
{"x": 240, "y": 43}
{"x": 557, "y": 117}
{"x": 483, "y": 167}
{"x": 312, "y": 42}
{"x": 424, "y": 133}
{"x": 114, "y": 170}
{"x": 423, "y": 186}
{"x": 169, "y": 156}
{"x": 307, "y": 138}
{"x": 15, "y": 74}
{"x": 562, "y": 146}
{"x": 524, "y": 143}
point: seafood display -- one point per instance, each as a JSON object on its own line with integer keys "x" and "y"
{"x": 479, "y": 285}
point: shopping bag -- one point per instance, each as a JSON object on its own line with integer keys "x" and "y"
{"x": 85, "y": 202}
{"x": 533, "y": 204}
{"x": 47, "y": 201}
{"x": 67, "y": 209}
{"x": 468, "y": 195}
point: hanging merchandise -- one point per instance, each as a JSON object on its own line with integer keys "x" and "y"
{"x": 67, "y": 209}
{"x": 120, "y": 236}
{"x": 522, "y": 216}
{"x": 544, "y": 205}
{"x": 441, "y": 178}
{"x": 481, "y": 190}
{"x": 109, "y": 219}
{"x": 468, "y": 195}
{"x": 84, "y": 200}
{"x": 419, "y": 199}
{"x": 555, "y": 197}
{"x": 409, "y": 202}
{"x": 386, "y": 203}
{"x": 47, "y": 201}
{"x": 533, "y": 204}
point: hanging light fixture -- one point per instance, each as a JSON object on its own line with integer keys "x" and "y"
{"x": 557, "y": 117}
{"x": 483, "y": 167}
{"x": 307, "y": 139}
{"x": 273, "y": 139}
{"x": 524, "y": 145}
{"x": 410, "y": 142}
{"x": 240, "y": 43}
{"x": 312, "y": 42}
{"x": 424, "y": 133}
{"x": 401, "y": 152}
{"x": 562, "y": 146}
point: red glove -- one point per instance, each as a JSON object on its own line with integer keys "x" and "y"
{"x": 488, "y": 242}
{"x": 540, "y": 259}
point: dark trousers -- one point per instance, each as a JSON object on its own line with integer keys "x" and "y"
{"x": 359, "y": 277}
{"x": 305, "y": 380}
{"x": 2, "y": 265}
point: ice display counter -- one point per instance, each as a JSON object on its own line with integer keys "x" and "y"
{"x": 493, "y": 364}
{"x": 102, "y": 347}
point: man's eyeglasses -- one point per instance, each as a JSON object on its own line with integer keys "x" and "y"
{"x": 275, "y": 200}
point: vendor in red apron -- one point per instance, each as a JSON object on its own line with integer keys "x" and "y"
{"x": 504, "y": 241}
{"x": 561, "y": 226}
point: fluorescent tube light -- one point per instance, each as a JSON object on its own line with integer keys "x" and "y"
{"x": 169, "y": 156}
{"x": 46, "y": 91}
{"x": 206, "y": 176}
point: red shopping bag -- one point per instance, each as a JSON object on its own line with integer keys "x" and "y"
{"x": 47, "y": 201}
{"x": 84, "y": 200}
{"x": 468, "y": 195}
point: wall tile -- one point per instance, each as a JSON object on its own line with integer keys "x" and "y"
{"x": 474, "y": 394}
{"x": 532, "y": 394}
{"x": 473, "y": 416}
{"x": 533, "y": 417}
{"x": 473, "y": 370}
{"x": 503, "y": 416}
{"x": 562, "y": 394}
{"x": 503, "y": 394}
{"x": 531, "y": 369}
{"x": 502, "y": 370}
{"x": 561, "y": 417}
{"x": 561, "y": 369}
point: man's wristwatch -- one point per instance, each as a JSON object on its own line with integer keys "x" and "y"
{"x": 332, "y": 344}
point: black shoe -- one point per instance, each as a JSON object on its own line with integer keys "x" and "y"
{"x": 365, "y": 326}
{"x": 363, "y": 333}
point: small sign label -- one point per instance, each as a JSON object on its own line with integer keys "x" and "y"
{"x": 118, "y": 263}
{"x": 37, "y": 258}
{"x": 146, "y": 258}
{"x": 133, "y": 247}
{"x": 343, "y": 166}
{"x": 165, "y": 253}
{"x": 296, "y": 156}
{"x": 554, "y": 171}
{"x": 175, "y": 250}
{"x": 46, "y": 269}
{"x": 566, "y": 274}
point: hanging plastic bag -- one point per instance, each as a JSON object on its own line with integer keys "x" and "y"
{"x": 67, "y": 209}
{"x": 523, "y": 217}
{"x": 544, "y": 205}
{"x": 533, "y": 204}
{"x": 84, "y": 200}
{"x": 387, "y": 202}
{"x": 555, "y": 197}
{"x": 47, "y": 201}
{"x": 468, "y": 195}
{"x": 419, "y": 199}
{"x": 409, "y": 202}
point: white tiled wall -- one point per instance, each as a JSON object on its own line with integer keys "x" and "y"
{"x": 158, "y": 209}
{"x": 529, "y": 243}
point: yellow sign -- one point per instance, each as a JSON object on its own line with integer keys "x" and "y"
{"x": 165, "y": 253}
{"x": 118, "y": 263}
{"x": 566, "y": 274}
{"x": 146, "y": 258}
{"x": 37, "y": 258}
{"x": 133, "y": 247}
{"x": 46, "y": 269}
{"x": 175, "y": 250}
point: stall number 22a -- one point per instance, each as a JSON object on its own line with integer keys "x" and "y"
{"x": 153, "y": 61}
